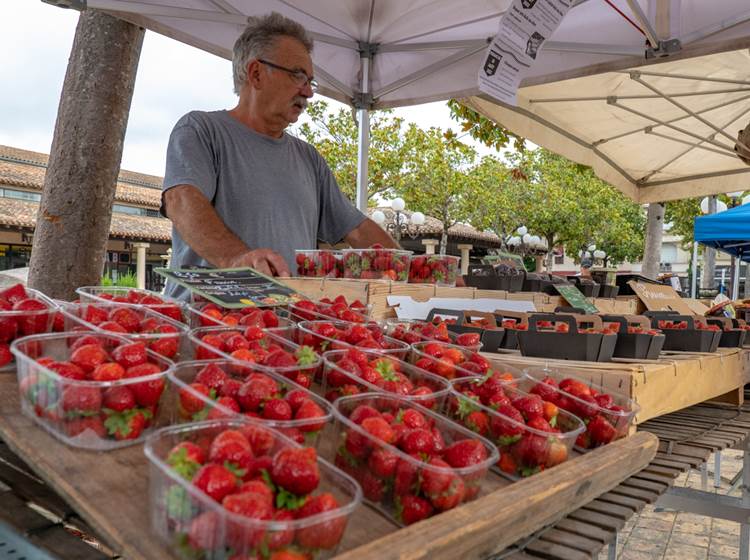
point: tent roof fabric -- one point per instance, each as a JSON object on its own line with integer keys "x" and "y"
{"x": 728, "y": 231}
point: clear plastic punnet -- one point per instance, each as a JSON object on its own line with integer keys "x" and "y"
{"x": 452, "y": 361}
{"x": 260, "y": 349}
{"x": 376, "y": 264}
{"x": 222, "y": 521}
{"x": 353, "y": 371}
{"x": 91, "y": 390}
{"x": 608, "y": 415}
{"x": 412, "y": 462}
{"x": 212, "y": 389}
{"x": 165, "y": 305}
{"x": 527, "y": 444}
{"x": 338, "y": 335}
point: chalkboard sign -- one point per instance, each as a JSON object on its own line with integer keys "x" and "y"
{"x": 233, "y": 287}
{"x": 575, "y": 298}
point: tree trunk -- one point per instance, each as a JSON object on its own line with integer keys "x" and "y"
{"x": 444, "y": 242}
{"x": 74, "y": 216}
{"x": 709, "y": 256}
{"x": 654, "y": 234}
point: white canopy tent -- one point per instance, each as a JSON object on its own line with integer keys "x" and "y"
{"x": 387, "y": 53}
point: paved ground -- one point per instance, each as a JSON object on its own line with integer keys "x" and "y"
{"x": 671, "y": 535}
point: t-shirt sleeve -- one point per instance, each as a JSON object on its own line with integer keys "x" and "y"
{"x": 338, "y": 216}
{"x": 190, "y": 160}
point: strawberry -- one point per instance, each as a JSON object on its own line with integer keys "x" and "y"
{"x": 379, "y": 429}
{"x": 68, "y": 370}
{"x": 206, "y": 531}
{"x": 88, "y": 356}
{"x": 147, "y": 393}
{"x": 129, "y": 355}
{"x": 77, "y": 426}
{"x": 185, "y": 458}
{"x": 309, "y": 410}
{"x": 600, "y": 430}
{"x": 125, "y": 317}
{"x": 277, "y": 409}
{"x": 410, "y": 509}
{"x": 212, "y": 376}
{"x": 438, "y": 480}
{"x": 33, "y": 322}
{"x": 296, "y": 470}
{"x": 465, "y": 453}
{"x": 326, "y": 534}
{"x": 295, "y": 398}
{"x": 215, "y": 480}
{"x": 558, "y": 453}
{"x": 373, "y": 488}
{"x": 247, "y": 504}
{"x": 81, "y": 399}
{"x": 507, "y": 425}
{"x": 110, "y": 371}
{"x": 477, "y": 421}
{"x": 530, "y": 452}
{"x": 418, "y": 441}
{"x": 8, "y": 329}
{"x": 112, "y": 326}
{"x": 127, "y": 425}
{"x": 14, "y": 294}
{"x": 221, "y": 406}
{"x": 255, "y": 391}
{"x": 363, "y": 411}
{"x": 190, "y": 404}
{"x": 530, "y": 406}
{"x": 382, "y": 463}
{"x": 118, "y": 398}
{"x": 231, "y": 446}
{"x": 451, "y": 496}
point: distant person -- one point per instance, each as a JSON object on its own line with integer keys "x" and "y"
{"x": 239, "y": 189}
{"x": 586, "y": 265}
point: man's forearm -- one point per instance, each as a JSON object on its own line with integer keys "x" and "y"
{"x": 369, "y": 233}
{"x": 201, "y": 227}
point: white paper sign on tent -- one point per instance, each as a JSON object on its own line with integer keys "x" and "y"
{"x": 408, "y": 308}
{"x": 523, "y": 30}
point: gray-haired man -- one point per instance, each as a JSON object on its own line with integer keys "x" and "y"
{"x": 238, "y": 189}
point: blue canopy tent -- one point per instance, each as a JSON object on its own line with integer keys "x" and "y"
{"x": 727, "y": 231}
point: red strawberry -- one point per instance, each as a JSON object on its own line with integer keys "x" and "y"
{"x": 67, "y": 370}
{"x": 215, "y": 480}
{"x": 125, "y": 317}
{"x": 438, "y": 480}
{"x": 247, "y": 504}
{"x": 77, "y": 426}
{"x": 8, "y": 329}
{"x": 33, "y": 322}
{"x": 110, "y": 371}
{"x": 190, "y": 404}
{"x": 410, "y": 509}
{"x": 504, "y": 430}
{"x": 382, "y": 463}
{"x": 126, "y": 425}
{"x": 277, "y": 409}
{"x": 5, "y": 355}
{"x": 88, "y": 356}
{"x": 186, "y": 458}
{"x": 118, "y": 398}
{"x": 81, "y": 399}
{"x": 310, "y": 410}
{"x": 465, "y": 453}
{"x": 147, "y": 393}
{"x": 231, "y": 446}
{"x": 212, "y": 376}
{"x": 206, "y": 530}
{"x": 418, "y": 441}
{"x": 296, "y": 470}
{"x": 379, "y": 429}
{"x": 14, "y": 294}
{"x": 255, "y": 391}
{"x": 326, "y": 534}
{"x": 129, "y": 355}
{"x": 531, "y": 451}
{"x": 601, "y": 431}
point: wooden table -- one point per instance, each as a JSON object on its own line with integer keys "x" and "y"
{"x": 110, "y": 492}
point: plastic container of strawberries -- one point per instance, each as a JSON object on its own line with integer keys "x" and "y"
{"x": 413, "y": 331}
{"x": 214, "y": 342}
{"x": 194, "y": 525}
{"x": 394, "y": 376}
{"x": 319, "y": 263}
{"x": 188, "y": 403}
{"x": 172, "y": 308}
{"x": 376, "y": 264}
{"x": 327, "y": 312}
{"x": 441, "y": 270}
{"x": 619, "y": 419}
{"x": 389, "y": 475}
{"x": 18, "y": 323}
{"x": 209, "y": 314}
{"x": 85, "y": 413}
{"x": 308, "y": 334}
{"x": 439, "y": 358}
{"x": 158, "y": 332}
{"x": 524, "y": 450}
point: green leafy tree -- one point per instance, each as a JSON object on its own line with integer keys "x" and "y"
{"x": 334, "y": 134}
{"x": 438, "y": 181}
{"x": 483, "y": 129}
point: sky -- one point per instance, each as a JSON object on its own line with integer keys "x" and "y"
{"x": 172, "y": 80}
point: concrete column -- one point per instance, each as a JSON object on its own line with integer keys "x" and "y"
{"x": 465, "y": 257}
{"x": 167, "y": 258}
{"x": 140, "y": 263}
{"x": 430, "y": 245}
{"x": 539, "y": 263}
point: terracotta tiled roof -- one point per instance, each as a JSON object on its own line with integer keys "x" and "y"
{"x": 433, "y": 226}
{"x": 22, "y": 214}
{"x": 24, "y": 168}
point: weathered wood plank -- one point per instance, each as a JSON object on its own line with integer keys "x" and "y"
{"x": 555, "y": 551}
{"x": 571, "y": 540}
{"x": 585, "y": 530}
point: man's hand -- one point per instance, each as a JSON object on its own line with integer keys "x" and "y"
{"x": 264, "y": 261}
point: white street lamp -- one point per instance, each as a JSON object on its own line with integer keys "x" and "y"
{"x": 526, "y": 238}
{"x": 592, "y": 248}
{"x": 523, "y": 230}
{"x": 704, "y": 205}
{"x": 746, "y": 199}
{"x": 378, "y": 217}
{"x": 720, "y": 206}
{"x": 514, "y": 241}
{"x": 398, "y": 204}
{"x": 599, "y": 254}
{"x": 417, "y": 218}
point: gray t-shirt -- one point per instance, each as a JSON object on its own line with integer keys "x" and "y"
{"x": 275, "y": 193}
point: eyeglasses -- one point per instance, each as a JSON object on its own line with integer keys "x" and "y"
{"x": 299, "y": 77}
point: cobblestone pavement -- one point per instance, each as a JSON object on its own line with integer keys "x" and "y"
{"x": 672, "y": 535}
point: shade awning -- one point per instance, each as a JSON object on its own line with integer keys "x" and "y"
{"x": 728, "y": 231}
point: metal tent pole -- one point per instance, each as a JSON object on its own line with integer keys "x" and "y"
{"x": 694, "y": 276}
{"x": 363, "y": 139}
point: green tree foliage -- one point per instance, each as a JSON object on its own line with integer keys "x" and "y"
{"x": 334, "y": 134}
{"x": 483, "y": 129}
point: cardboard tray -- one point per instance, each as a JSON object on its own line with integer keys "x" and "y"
{"x": 608, "y": 291}
{"x": 491, "y": 338}
{"x": 510, "y": 340}
{"x": 636, "y": 346}
{"x": 573, "y": 345}
{"x": 588, "y": 289}
{"x": 485, "y": 277}
{"x": 688, "y": 340}
{"x": 734, "y": 338}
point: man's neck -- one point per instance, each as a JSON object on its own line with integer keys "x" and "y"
{"x": 244, "y": 113}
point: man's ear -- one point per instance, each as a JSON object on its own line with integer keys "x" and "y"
{"x": 253, "y": 74}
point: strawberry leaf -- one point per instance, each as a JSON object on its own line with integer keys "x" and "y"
{"x": 305, "y": 356}
{"x": 267, "y": 479}
{"x": 234, "y": 469}
{"x": 179, "y": 506}
{"x": 287, "y": 500}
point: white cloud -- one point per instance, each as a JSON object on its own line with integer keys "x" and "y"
{"x": 173, "y": 79}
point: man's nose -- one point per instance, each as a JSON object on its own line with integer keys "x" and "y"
{"x": 307, "y": 90}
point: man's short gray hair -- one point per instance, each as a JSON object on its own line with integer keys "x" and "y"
{"x": 259, "y": 38}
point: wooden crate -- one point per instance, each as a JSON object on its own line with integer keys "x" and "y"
{"x": 110, "y": 491}
{"x": 673, "y": 382}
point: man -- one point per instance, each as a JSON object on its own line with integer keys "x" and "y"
{"x": 586, "y": 264}
{"x": 239, "y": 190}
